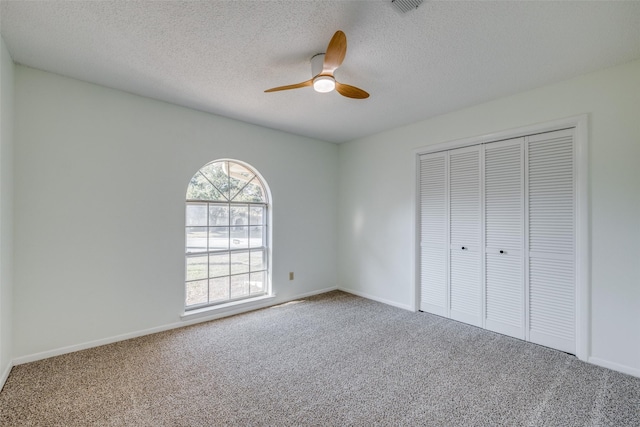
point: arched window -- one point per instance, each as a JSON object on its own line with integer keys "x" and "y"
{"x": 226, "y": 235}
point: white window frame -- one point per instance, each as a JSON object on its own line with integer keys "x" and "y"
{"x": 248, "y": 300}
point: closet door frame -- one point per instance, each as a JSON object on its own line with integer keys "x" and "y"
{"x": 582, "y": 239}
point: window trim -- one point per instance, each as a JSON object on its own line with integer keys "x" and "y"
{"x": 227, "y": 309}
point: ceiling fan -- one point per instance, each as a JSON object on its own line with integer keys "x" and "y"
{"x": 322, "y": 67}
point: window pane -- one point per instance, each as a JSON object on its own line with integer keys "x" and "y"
{"x": 256, "y": 215}
{"x": 239, "y": 215}
{"x": 216, "y": 173}
{"x": 239, "y": 285}
{"x": 196, "y": 267}
{"x": 219, "y": 289}
{"x": 239, "y": 237}
{"x": 258, "y": 261}
{"x": 196, "y": 292}
{"x": 218, "y": 238}
{"x": 219, "y": 264}
{"x": 196, "y": 239}
{"x": 196, "y": 214}
{"x": 239, "y": 176}
{"x": 240, "y": 172}
{"x": 252, "y": 192}
{"x": 218, "y": 215}
{"x": 239, "y": 262}
{"x": 201, "y": 189}
{"x": 257, "y": 283}
{"x": 255, "y": 236}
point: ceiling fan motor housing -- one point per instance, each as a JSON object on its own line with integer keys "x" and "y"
{"x": 317, "y": 61}
{"x": 321, "y": 84}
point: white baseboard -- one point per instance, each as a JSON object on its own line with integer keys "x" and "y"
{"x": 96, "y": 343}
{"x": 110, "y": 340}
{"x": 374, "y": 298}
{"x": 615, "y": 366}
{"x": 5, "y": 375}
{"x": 312, "y": 293}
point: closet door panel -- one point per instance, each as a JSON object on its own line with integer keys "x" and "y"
{"x": 465, "y": 292}
{"x": 504, "y": 293}
{"x": 551, "y": 248}
{"x": 465, "y": 216}
{"x": 551, "y": 303}
{"x": 504, "y": 237}
{"x": 433, "y": 233}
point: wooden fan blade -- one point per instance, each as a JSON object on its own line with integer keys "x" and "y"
{"x": 336, "y": 52}
{"x": 295, "y": 86}
{"x": 351, "y": 91}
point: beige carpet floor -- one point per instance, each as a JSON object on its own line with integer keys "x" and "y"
{"x": 329, "y": 360}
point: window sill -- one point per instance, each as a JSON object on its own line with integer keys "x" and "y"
{"x": 229, "y": 308}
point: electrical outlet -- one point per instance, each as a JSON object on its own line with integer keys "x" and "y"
{"x": 291, "y": 275}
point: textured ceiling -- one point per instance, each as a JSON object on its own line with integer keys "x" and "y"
{"x": 219, "y": 56}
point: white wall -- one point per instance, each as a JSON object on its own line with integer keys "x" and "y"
{"x": 100, "y": 182}
{"x": 100, "y": 177}
{"x": 6, "y": 210}
{"x": 376, "y": 196}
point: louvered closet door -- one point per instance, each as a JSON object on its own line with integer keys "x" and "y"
{"x": 551, "y": 200}
{"x": 504, "y": 237}
{"x": 433, "y": 233}
{"x": 465, "y": 217}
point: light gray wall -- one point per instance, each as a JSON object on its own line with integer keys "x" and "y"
{"x": 6, "y": 211}
{"x": 100, "y": 182}
{"x": 377, "y": 193}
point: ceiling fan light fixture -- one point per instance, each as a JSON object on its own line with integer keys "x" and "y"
{"x": 324, "y": 84}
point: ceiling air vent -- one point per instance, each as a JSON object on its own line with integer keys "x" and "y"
{"x": 405, "y": 6}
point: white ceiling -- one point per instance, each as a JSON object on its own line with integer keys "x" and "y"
{"x": 219, "y": 56}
